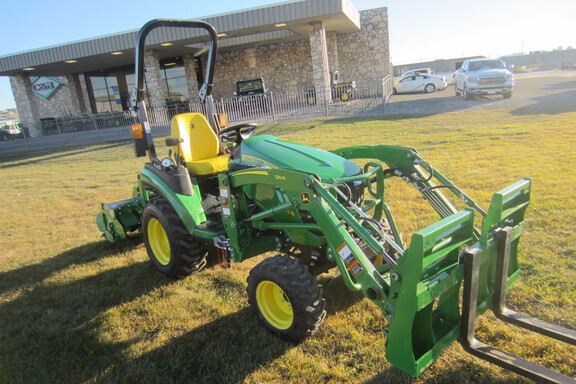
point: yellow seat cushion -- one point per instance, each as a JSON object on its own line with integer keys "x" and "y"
{"x": 201, "y": 147}
{"x": 208, "y": 166}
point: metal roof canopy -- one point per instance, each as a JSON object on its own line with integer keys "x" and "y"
{"x": 246, "y": 28}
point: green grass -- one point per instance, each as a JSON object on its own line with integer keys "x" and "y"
{"x": 76, "y": 309}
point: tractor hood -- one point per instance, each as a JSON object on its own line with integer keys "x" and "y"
{"x": 268, "y": 151}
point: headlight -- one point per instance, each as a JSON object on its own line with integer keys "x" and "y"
{"x": 472, "y": 80}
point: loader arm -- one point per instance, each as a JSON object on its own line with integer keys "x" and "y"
{"x": 418, "y": 291}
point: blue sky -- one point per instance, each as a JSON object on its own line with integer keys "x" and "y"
{"x": 419, "y": 30}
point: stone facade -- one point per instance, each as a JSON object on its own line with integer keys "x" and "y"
{"x": 320, "y": 65}
{"x": 156, "y": 87}
{"x": 364, "y": 56}
{"x": 284, "y": 67}
{"x": 24, "y": 97}
{"x": 69, "y": 100}
{"x": 190, "y": 71}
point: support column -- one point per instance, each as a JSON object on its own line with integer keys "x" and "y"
{"x": 320, "y": 71}
{"x": 191, "y": 77}
{"x": 87, "y": 108}
{"x": 77, "y": 105}
{"x": 332, "y": 44}
{"x": 25, "y": 103}
{"x": 156, "y": 86}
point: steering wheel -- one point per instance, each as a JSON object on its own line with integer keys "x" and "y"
{"x": 241, "y": 132}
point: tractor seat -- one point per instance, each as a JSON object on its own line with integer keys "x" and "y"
{"x": 201, "y": 147}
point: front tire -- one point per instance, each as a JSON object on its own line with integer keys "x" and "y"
{"x": 286, "y": 298}
{"x": 467, "y": 95}
{"x": 172, "y": 250}
{"x": 507, "y": 95}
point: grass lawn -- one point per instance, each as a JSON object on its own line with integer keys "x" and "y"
{"x": 77, "y": 309}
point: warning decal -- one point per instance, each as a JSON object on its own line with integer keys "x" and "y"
{"x": 350, "y": 260}
{"x": 356, "y": 269}
{"x": 346, "y": 254}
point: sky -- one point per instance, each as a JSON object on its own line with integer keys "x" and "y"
{"x": 419, "y": 30}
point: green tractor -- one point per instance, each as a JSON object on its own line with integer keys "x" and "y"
{"x": 222, "y": 189}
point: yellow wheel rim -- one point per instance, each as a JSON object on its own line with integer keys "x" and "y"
{"x": 344, "y": 97}
{"x": 311, "y": 100}
{"x": 274, "y": 305}
{"x": 158, "y": 240}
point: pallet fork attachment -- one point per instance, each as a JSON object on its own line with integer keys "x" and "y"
{"x": 471, "y": 262}
{"x": 505, "y": 215}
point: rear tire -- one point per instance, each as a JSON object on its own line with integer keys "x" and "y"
{"x": 172, "y": 250}
{"x": 286, "y": 298}
{"x": 429, "y": 88}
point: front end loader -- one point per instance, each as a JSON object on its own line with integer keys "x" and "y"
{"x": 317, "y": 210}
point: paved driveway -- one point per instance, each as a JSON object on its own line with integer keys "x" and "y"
{"x": 547, "y": 92}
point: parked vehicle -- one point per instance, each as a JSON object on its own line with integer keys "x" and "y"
{"x": 251, "y": 97}
{"x": 484, "y": 77}
{"x": 420, "y": 71}
{"x": 10, "y": 131}
{"x": 419, "y": 83}
{"x": 340, "y": 91}
{"x": 251, "y": 88}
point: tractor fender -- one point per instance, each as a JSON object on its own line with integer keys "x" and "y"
{"x": 187, "y": 207}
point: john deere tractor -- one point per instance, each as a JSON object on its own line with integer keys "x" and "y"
{"x": 222, "y": 189}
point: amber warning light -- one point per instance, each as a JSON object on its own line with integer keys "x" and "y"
{"x": 137, "y": 131}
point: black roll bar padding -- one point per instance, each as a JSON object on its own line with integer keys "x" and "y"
{"x": 175, "y": 23}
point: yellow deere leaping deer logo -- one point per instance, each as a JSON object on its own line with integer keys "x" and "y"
{"x": 305, "y": 198}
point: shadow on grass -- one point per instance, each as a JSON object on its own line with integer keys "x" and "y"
{"x": 226, "y": 350}
{"x": 22, "y": 158}
{"x": 23, "y": 277}
{"x": 50, "y": 332}
{"x": 338, "y": 297}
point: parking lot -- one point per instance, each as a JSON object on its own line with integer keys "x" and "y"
{"x": 548, "y": 92}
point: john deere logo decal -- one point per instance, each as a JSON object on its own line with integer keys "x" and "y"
{"x": 45, "y": 87}
{"x": 305, "y": 198}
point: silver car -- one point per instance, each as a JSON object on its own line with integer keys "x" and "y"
{"x": 484, "y": 77}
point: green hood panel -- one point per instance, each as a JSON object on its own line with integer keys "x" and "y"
{"x": 269, "y": 151}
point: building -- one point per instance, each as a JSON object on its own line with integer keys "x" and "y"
{"x": 293, "y": 45}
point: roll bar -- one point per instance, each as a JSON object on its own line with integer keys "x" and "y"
{"x": 146, "y": 144}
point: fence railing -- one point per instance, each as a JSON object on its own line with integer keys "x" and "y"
{"x": 274, "y": 107}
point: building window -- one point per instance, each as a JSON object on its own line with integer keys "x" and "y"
{"x": 106, "y": 94}
{"x": 112, "y": 90}
{"x": 172, "y": 72}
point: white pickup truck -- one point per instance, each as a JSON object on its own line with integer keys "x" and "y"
{"x": 483, "y": 77}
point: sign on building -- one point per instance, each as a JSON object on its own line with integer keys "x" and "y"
{"x": 45, "y": 87}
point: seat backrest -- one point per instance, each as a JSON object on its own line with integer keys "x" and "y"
{"x": 200, "y": 141}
